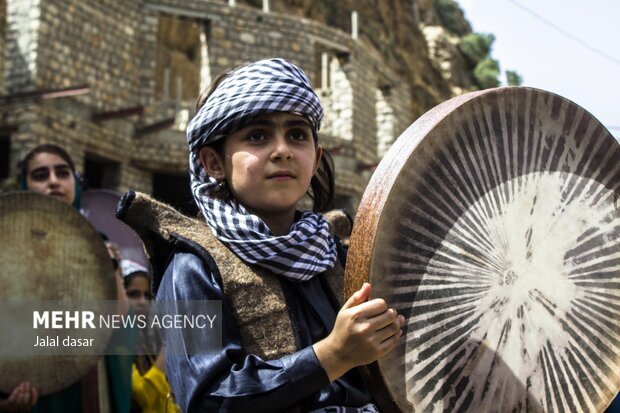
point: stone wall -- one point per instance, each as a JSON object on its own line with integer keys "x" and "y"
{"x": 128, "y": 45}
{"x": 91, "y": 43}
{"x": 66, "y": 123}
{"x": 21, "y": 37}
{"x": 2, "y": 42}
{"x": 356, "y": 71}
{"x": 55, "y": 44}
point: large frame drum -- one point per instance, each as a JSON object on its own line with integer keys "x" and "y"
{"x": 493, "y": 225}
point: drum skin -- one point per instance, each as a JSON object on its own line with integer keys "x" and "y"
{"x": 493, "y": 226}
{"x": 50, "y": 252}
{"x": 99, "y": 207}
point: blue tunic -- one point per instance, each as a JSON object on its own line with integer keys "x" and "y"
{"x": 233, "y": 381}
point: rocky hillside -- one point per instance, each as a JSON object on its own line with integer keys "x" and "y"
{"x": 411, "y": 35}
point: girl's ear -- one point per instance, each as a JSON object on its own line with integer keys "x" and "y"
{"x": 212, "y": 162}
{"x": 317, "y": 160}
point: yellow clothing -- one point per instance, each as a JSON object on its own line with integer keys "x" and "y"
{"x": 151, "y": 391}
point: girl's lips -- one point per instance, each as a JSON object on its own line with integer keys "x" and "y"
{"x": 281, "y": 177}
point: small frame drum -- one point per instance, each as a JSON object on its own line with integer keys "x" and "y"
{"x": 49, "y": 253}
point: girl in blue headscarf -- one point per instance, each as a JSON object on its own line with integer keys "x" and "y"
{"x": 48, "y": 169}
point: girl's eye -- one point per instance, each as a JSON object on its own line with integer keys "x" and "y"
{"x": 40, "y": 175}
{"x": 63, "y": 173}
{"x": 43, "y": 174}
{"x": 299, "y": 134}
{"x": 138, "y": 294}
{"x": 133, "y": 294}
{"x": 256, "y": 135}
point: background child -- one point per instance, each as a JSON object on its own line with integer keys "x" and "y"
{"x": 49, "y": 170}
{"x": 149, "y": 387}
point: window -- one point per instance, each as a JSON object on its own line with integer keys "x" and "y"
{"x": 175, "y": 190}
{"x": 337, "y": 99}
{"x": 385, "y": 121}
{"x": 100, "y": 173}
{"x": 181, "y": 43}
{"x": 5, "y": 159}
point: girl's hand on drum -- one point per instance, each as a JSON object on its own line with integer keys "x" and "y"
{"x": 22, "y": 399}
{"x": 364, "y": 332}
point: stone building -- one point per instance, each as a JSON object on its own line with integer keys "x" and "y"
{"x": 115, "y": 83}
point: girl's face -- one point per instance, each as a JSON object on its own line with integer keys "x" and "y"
{"x": 49, "y": 174}
{"x": 268, "y": 164}
{"x": 139, "y": 293}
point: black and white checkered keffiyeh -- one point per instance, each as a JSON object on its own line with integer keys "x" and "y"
{"x": 369, "y": 408}
{"x": 266, "y": 86}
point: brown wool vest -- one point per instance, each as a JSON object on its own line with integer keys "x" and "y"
{"x": 254, "y": 294}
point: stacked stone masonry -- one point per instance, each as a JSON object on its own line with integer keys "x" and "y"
{"x": 2, "y": 43}
{"x": 116, "y": 49}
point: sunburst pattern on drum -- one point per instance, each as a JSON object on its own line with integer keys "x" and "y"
{"x": 530, "y": 290}
{"x": 506, "y": 260}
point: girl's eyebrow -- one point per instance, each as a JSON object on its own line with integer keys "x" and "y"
{"x": 45, "y": 168}
{"x": 271, "y": 123}
{"x": 297, "y": 122}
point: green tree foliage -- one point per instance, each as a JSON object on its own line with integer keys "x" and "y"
{"x": 8, "y": 185}
{"x": 476, "y": 47}
{"x": 486, "y": 73}
{"x": 513, "y": 78}
{"x": 448, "y": 12}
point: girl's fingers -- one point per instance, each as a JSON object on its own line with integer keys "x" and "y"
{"x": 372, "y": 308}
{"x": 34, "y": 396}
{"x": 24, "y": 396}
{"x": 388, "y": 345}
{"x": 388, "y": 331}
{"x": 383, "y": 319}
{"x": 358, "y": 297}
{"x": 386, "y": 318}
{"x": 17, "y": 399}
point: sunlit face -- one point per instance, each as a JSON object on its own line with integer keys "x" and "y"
{"x": 139, "y": 293}
{"x": 49, "y": 174}
{"x": 268, "y": 164}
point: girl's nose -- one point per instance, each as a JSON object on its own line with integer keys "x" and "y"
{"x": 53, "y": 179}
{"x": 281, "y": 149}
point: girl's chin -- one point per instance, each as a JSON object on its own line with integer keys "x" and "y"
{"x": 277, "y": 205}
{"x": 60, "y": 197}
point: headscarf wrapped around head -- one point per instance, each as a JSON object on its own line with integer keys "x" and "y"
{"x": 263, "y": 87}
{"x": 266, "y": 86}
{"x": 129, "y": 267}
